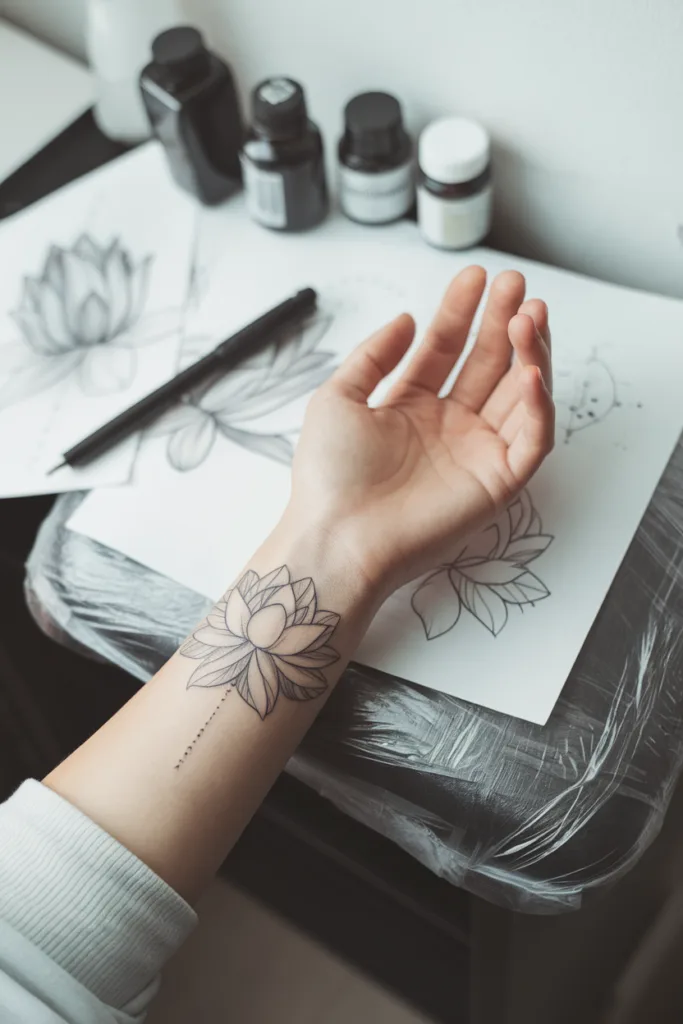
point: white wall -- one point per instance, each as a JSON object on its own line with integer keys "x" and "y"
{"x": 584, "y": 99}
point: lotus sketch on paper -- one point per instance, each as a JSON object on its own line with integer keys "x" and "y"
{"x": 266, "y": 637}
{"x": 489, "y": 575}
{"x": 226, "y": 405}
{"x": 83, "y": 315}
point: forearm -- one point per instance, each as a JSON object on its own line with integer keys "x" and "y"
{"x": 179, "y": 771}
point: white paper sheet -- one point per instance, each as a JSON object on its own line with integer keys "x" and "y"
{"x": 508, "y": 620}
{"x": 93, "y": 281}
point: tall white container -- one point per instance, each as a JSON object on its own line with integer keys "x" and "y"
{"x": 119, "y": 35}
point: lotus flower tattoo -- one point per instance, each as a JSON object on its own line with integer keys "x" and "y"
{"x": 82, "y": 315}
{"x": 489, "y": 576}
{"x": 265, "y": 637}
{"x": 263, "y": 384}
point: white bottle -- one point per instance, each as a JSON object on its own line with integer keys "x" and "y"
{"x": 119, "y": 36}
{"x": 454, "y": 190}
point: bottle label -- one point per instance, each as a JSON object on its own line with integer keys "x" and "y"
{"x": 265, "y": 194}
{"x": 454, "y": 223}
{"x": 376, "y": 198}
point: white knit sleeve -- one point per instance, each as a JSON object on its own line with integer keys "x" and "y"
{"x": 84, "y": 900}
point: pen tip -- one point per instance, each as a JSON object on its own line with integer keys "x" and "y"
{"x": 55, "y": 468}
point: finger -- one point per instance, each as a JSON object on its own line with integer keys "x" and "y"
{"x": 537, "y": 309}
{"x": 367, "y": 365}
{"x": 536, "y": 436}
{"x": 490, "y": 358}
{"x": 530, "y": 349}
{"x": 445, "y": 339}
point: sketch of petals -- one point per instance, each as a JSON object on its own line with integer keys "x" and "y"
{"x": 526, "y": 549}
{"x": 150, "y": 329}
{"x": 182, "y": 415}
{"x": 193, "y": 648}
{"x": 313, "y": 332}
{"x": 229, "y": 391}
{"x": 35, "y": 333}
{"x": 75, "y": 316}
{"x": 138, "y": 285}
{"x": 282, "y": 394}
{"x": 437, "y": 603}
{"x": 104, "y": 370}
{"x": 526, "y": 514}
{"x": 52, "y": 331}
{"x": 189, "y": 446}
{"x": 217, "y": 636}
{"x": 295, "y": 639}
{"x": 93, "y": 320}
{"x": 53, "y": 271}
{"x": 216, "y": 668}
{"x": 481, "y": 546}
{"x": 283, "y": 595}
{"x": 252, "y": 641}
{"x": 275, "y": 446}
{"x": 320, "y": 658}
{"x": 37, "y": 376}
{"x": 489, "y": 573}
{"x": 298, "y": 341}
{"x": 496, "y": 570}
{"x": 237, "y": 613}
{"x": 483, "y": 602}
{"x": 526, "y": 589}
{"x": 298, "y": 683}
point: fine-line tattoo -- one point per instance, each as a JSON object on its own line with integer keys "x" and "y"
{"x": 265, "y": 637}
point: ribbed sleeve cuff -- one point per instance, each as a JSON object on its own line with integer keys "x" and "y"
{"x": 82, "y": 898}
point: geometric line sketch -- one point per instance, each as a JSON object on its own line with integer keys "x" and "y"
{"x": 84, "y": 314}
{"x": 489, "y": 576}
{"x": 267, "y": 381}
{"x": 585, "y": 396}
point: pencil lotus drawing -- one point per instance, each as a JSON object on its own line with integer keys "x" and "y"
{"x": 266, "y": 637}
{"x": 84, "y": 314}
{"x": 223, "y": 407}
{"x": 489, "y": 575}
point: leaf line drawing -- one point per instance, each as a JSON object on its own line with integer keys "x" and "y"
{"x": 488, "y": 576}
{"x": 84, "y": 314}
{"x": 270, "y": 380}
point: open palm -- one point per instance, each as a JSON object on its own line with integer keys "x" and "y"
{"x": 405, "y": 483}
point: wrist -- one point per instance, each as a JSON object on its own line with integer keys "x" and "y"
{"x": 322, "y": 547}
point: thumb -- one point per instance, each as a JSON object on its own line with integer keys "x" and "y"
{"x": 370, "y": 362}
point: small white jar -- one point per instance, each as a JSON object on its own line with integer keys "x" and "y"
{"x": 454, "y": 183}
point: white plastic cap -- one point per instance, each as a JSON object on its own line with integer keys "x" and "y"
{"x": 453, "y": 150}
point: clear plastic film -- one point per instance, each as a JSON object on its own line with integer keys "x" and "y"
{"x": 531, "y": 817}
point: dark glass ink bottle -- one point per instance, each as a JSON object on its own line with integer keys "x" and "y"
{"x": 376, "y": 172}
{"x": 193, "y": 108}
{"x": 282, "y": 159}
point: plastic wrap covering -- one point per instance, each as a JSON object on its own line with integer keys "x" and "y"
{"x": 531, "y": 817}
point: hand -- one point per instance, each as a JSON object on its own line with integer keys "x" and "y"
{"x": 401, "y": 486}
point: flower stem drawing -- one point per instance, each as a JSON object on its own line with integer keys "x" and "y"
{"x": 289, "y": 368}
{"x": 84, "y": 314}
{"x": 264, "y": 638}
{"x": 489, "y": 575}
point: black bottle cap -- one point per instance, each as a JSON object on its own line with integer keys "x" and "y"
{"x": 373, "y": 124}
{"x": 279, "y": 107}
{"x": 181, "y": 51}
